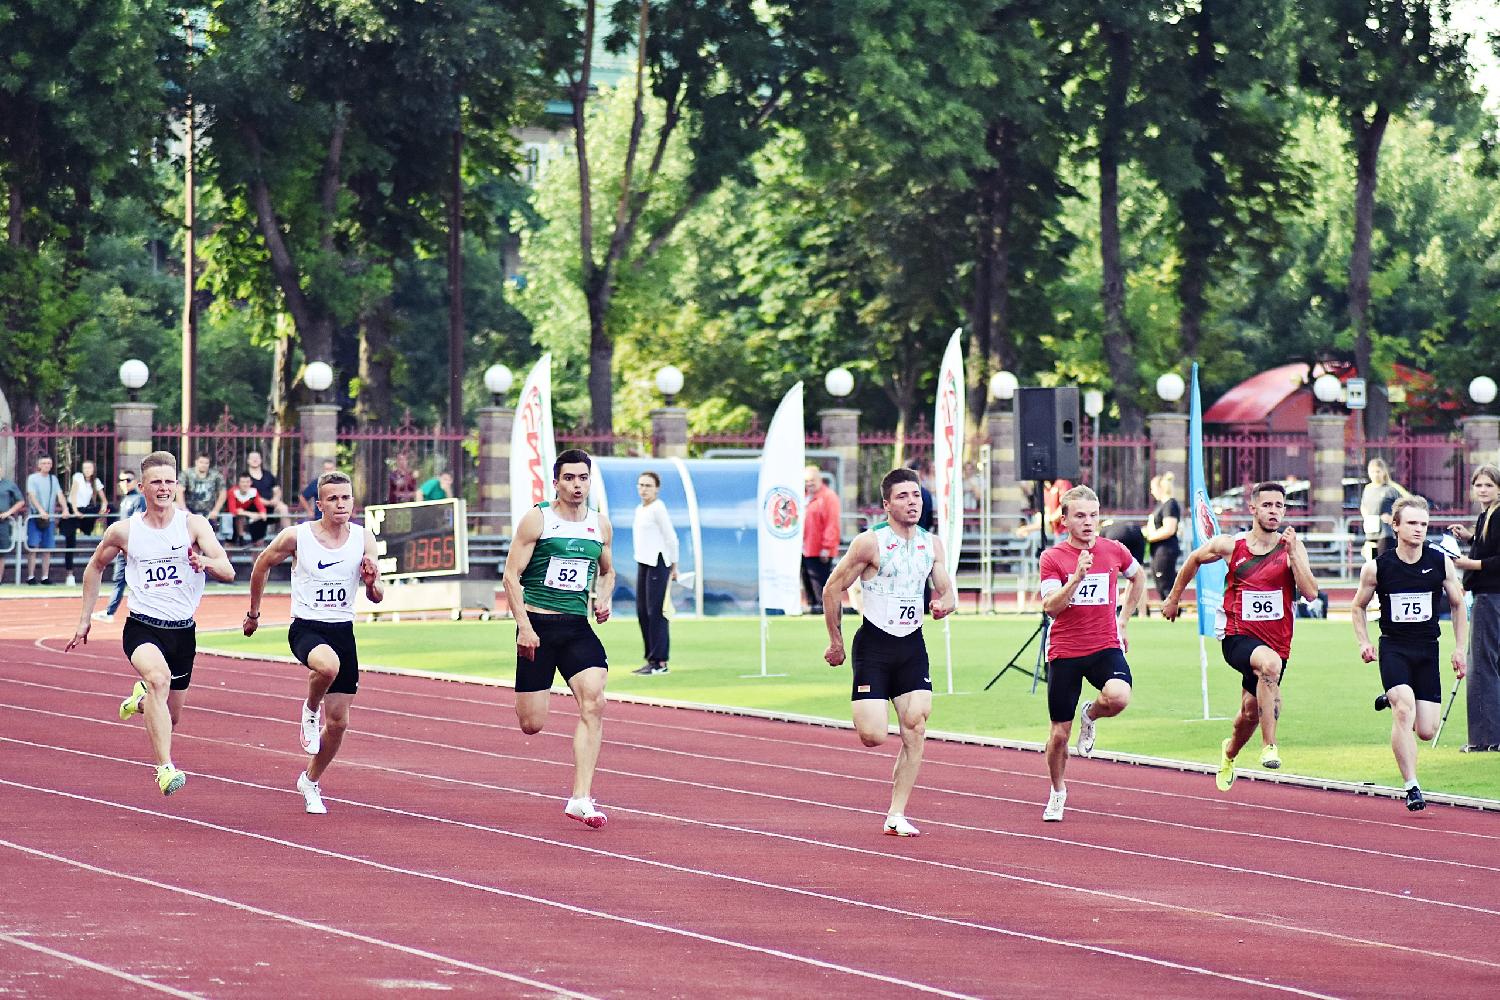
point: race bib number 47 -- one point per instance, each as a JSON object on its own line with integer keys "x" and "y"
{"x": 1093, "y": 590}
{"x": 567, "y": 574}
{"x": 1261, "y": 606}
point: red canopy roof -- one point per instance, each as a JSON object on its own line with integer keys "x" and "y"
{"x": 1252, "y": 400}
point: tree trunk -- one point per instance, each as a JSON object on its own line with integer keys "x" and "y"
{"x": 373, "y": 405}
{"x": 456, "y": 299}
{"x": 1368, "y": 136}
{"x": 1119, "y": 341}
{"x": 279, "y": 406}
{"x": 1197, "y": 209}
{"x": 15, "y": 211}
{"x": 601, "y": 362}
{"x": 981, "y": 308}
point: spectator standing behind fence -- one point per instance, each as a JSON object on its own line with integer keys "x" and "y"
{"x": 1375, "y": 505}
{"x": 88, "y": 500}
{"x": 1482, "y": 579}
{"x": 12, "y": 503}
{"x": 203, "y": 491}
{"x": 655, "y": 544}
{"x": 268, "y": 486}
{"x": 46, "y": 501}
{"x": 1161, "y": 532}
{"x": 309, "y": 492}
{"x": 131, "y": 503}
{"x": 402, "y": 485}
{"x": 248, "y": 511}
{"x": 439, "y": 487}
{"x": 820, "y": 537}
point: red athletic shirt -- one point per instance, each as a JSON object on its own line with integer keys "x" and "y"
{"x": 1088, "y": 623}
{"x": 1258, "y": 596}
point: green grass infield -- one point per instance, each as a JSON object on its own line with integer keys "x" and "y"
{"x": 1328, "y": 727}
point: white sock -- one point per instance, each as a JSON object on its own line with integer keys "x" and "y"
{"x": 1411, "y": 784}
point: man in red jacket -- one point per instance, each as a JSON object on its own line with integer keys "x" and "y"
{"x": 820, "y": 537}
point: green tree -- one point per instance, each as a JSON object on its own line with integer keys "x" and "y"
{"x": 1375, "y": 59}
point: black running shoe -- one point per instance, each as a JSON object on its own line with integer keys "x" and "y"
{"x": 1382, "y": 702}
{"x": 1414, "y": 800}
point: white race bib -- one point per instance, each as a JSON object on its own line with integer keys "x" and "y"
{"x": 567, "y": 574}
{"x": 1407, "y": 608}
{"x": 1093, "y": 590}
{"x": 896, "y": 616}
{"x": 1261, "y": 606}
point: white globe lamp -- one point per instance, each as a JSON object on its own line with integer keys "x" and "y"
{"x": 498, "y": 379}
{"x": 318, "y": 376}
{"x": 1326, "y": 388}
{"x": 1482, "y": 390}
{"x": 133, "y": 375}
{"x": 839, "y": 382}
{"x": 669, "y": 382}
{"x": 1170, "y": 387}
{"x": 1003, "y": 385}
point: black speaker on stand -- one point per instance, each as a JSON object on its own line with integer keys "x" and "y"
{"x": 1046, "y": 448}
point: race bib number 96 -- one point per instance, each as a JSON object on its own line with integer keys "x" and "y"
{"x": 1261, "y": 606}
{"x": 567, "y": 574}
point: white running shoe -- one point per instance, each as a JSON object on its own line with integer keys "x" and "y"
{"x": 312, "y": 728}
{"x": 312, "y": 795}
{"x": 1054, "y": 811}
{"x": 897, "y": 826}
{"x": 584, "y": 812}
{"x": 1085, "y": 732}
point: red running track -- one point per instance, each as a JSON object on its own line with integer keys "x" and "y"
{"x": 743, "y": 858}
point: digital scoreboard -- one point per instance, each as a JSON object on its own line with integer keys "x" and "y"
{"x": 429, "y": 538}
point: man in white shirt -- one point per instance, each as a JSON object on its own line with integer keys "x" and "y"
{"x": 655, "y": 546}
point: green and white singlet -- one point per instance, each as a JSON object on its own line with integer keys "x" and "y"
{"x": 564, "y": 563}
{"x": 893, "y": 596}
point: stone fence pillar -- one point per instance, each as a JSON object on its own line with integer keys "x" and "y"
{"x": 1481, "y": 445}
{"x": 841, "y": 435}
{"x": 1326, "y": 434}
{"x": 133, "y": 423}
{"x": 495, "y": 423}
{"x": 669, "y": 432}
{"x": 1169, "y": 448}
{"x": 1007, "y": 500}
{"x": 320, "y": 437}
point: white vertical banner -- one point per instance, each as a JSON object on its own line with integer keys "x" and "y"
{"x": 948, "y": 450}
{"x": 948, "y": 467}
{"x": 532, "y": 447}
{"x": 779, "y": 489}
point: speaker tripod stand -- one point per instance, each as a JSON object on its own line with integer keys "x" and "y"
{"x": 1038, "y": 670}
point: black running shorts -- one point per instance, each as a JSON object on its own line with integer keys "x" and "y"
{"x": 1414, "y": 664}
{"x": 568, "y": 646}
{"x": 888, "y": 666}
{"x": 306, "y": 635}
{"x": 1065, "y": 677}
{"x": 1237, "y": 651}
{"x": 178, "y": 646}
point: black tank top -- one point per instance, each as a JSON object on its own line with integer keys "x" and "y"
{"x": 1409, "y": 595}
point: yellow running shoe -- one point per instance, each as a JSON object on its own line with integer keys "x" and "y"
{"x": 1269, "y": 758}
{"x": 132, "y": 705}
{"x": 1225, "y": 778}
{"x": 169, "y": 779}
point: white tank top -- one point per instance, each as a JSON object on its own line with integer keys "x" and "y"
{"x": 893, "y": 596}
{"x": 324, "y": 581}
{"x": 162, "y": 584}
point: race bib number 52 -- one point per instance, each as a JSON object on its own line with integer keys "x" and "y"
{"x": 567, "y": 574}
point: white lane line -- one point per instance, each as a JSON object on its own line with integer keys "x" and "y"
{"x": 1277, "y": 924}
{"x": 929, "y": 763}
{"x": 678, "y": 869}
{"x": 880, "y": 781}
{"x": 63, "y": 956}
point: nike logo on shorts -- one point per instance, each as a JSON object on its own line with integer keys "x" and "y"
{"x": 325, "y": 565}
{"x": 176, "y": 547}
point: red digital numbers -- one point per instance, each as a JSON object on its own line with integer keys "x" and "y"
{"x": 428, "y": 554}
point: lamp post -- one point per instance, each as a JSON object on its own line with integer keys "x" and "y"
{"x": 1326, "y": 389}
{"x": 317, "y": 376}
{"x": 669, "y": 383}
{"x": 133, "y": 375}
{"x": 1170, "y": 388}
{"x": 1482, "y": 391}
{"x": 839, "y": 382}
{"x": 1093, "y": 405}
{"x": 1003, "y": 385}
{"x": 498, "y": 379}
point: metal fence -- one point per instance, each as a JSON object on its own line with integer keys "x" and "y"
{"x": 227, "y": 443}
{"x": 1431, "y": 465}
{"x": 1118, "y": 466}
{"x": 373, "y": 454}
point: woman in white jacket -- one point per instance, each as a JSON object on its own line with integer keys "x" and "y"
{"x": 656, "y": 566}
